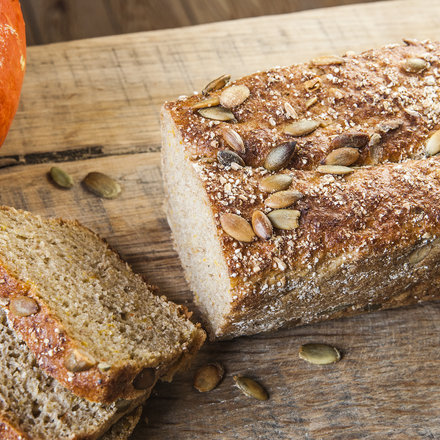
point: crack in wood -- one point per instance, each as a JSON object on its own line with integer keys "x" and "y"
{"x": 72, "y": 155}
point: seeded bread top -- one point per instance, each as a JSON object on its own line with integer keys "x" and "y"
{"x": 375, "y": 112}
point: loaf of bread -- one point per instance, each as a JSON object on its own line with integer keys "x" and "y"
{"x": 308, "y": 192}
{"x": 92, "y": 323}
{"x": 33, "y": 406}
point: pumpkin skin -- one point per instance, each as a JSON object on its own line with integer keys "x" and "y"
{"x": 12, "y": 61}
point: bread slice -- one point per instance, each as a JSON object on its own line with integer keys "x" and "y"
{"x": 357, "y": 238}
{"x": 92, "y": 323}
{"x": 123, "y": 429}
{"x": 34, "y": 406}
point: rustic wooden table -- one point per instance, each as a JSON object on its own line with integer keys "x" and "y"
{"x": 93, "y": 105}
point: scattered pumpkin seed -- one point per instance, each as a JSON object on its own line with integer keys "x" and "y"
{"x": 79, "y": 360}
{"x": 334, "y": 169}
{"x": 212, "y": 101}
{"x": 283, "y": 199}
{"x": 237, "y": 227}
{"x": 262, "y": 225}
{"x": 23, "y": 306}
{"x": 227, "y": 157}
{"x": 301, "y": 128}
{"x": 311, "y": 102}
{"x": 61, "y": 178}
{"x": 433, "y": 144}
{"x": 420, "y": 254}
{"x": 345, "y": 156}
{"x": 145, "y": 379}
{"x": 290, "y": 111}
{"x": 234, "y": 96}
{"x": 102, "y": 185}
{"x": 286, "y": 219}
{"x": 275, "y": 182}
{"x": 352, "y": 140}
{"x": 216, "y": 113}
{"x": 208, "y": 377}
{"x": 233, "y": 139}
{"x": 216, "y": 84}
{"x": 251, "y": 388}
{"x": 327, "y": 60}
{"x": 319, "y": 354}
{"x": 280, "y": 156}
{"x": 415, "y": 65}
{"x": 313, "y": 84}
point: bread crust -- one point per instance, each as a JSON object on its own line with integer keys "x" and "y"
{"x": 357, "y": 233}
{"x": 117, "y": 429}
{"x": 51, "y": 344}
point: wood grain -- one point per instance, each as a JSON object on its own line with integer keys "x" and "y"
{"x": 93, "y": 105}
{"x": 50, "y": 21}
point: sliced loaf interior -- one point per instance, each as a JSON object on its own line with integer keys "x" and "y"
{"x": 35, "y": 406}
{"x": 104, "y": 311}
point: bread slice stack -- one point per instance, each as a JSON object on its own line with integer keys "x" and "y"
{"x": 83, "y": 338}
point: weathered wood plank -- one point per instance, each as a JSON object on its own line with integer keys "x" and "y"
{"x": 108, "y": 91}
{"x": 50, "y": 21}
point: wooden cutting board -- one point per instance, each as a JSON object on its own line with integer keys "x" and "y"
{"x": 93, "y": 105}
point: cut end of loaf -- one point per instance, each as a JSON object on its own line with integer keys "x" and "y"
{"x": 97, "y": 324}
{"x": 194, "y": 231}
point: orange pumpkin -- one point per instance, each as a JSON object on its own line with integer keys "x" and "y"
{"x": 12, "y": 61}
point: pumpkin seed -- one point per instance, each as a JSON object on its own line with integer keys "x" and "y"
{"x": 280, "y": 156}
{"x": 251, "y": 388}
{"x": 79, "y": 360}
{"x": 301, "y": 128}
{"x": 234, "y": 96}
{"x": 345, "y": 156}
{"x": 319, "y": 354}
{"x": 286, "y": 219}
{"x": 433, "y": 144}
{"x": 283, "y": 199}
{"x": 212, "y": 101}
{"x": 237, "y": 227}
{"x": 216, "y": 113}
{"x": 327, "y": 60}
{"x": 233, "y": 139}
{"x": 262, "y": 225}
{"x": 353, "y": 140}
{"x": 208, "y": 377}
{"x": 102, "y": 185}
{"x": 216, "y": 84}
{"x": 420, "y": 254}
{"x": 61, "y": 178}
{"x": 311, "y": 102}
{"x": 145, "y": 379}
{"x": 290, "y": 111}
{"x": 227, "y": 157}
{"x": 23, "y": 306}
{"x": 415, "y": 65}
{"x": 275, "y": 182}
{"x": 313, "y": 84}
{"x": 334, "y": 169}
